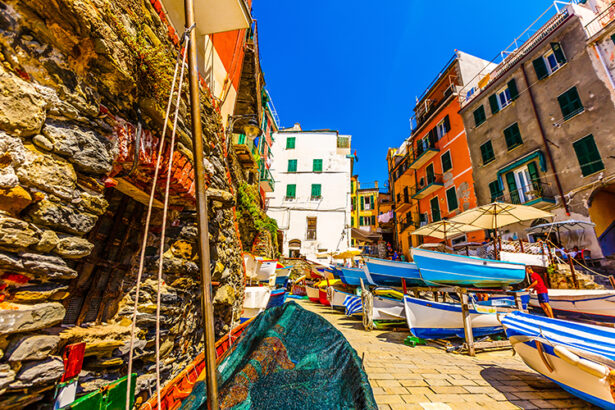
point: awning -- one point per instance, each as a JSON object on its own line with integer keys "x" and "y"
{"x": 364, "y": 236}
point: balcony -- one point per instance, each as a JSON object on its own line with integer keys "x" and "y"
{"x": 266, "y": 179}
{"x": 405, "y": 222}
{"x": 245, "y": 150}
{"x": 422, "y": 154}
{"x": 601, "y": 21}
{"x": 403, "y": 201}
{"x": 211, "y": 16}
{"x": 431, "y": 184}
{"x": 537, "y": 194}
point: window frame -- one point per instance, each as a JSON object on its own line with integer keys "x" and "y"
{"x": 319, "y": 196}
{"x": 492, "y": 152}
{"x": 507, "y": 95}
{"x": 288, "y": 142}
{"x": 484, "y": 115}
{"x": 550, "y": 69}
{"x": 287, "y": 197}
{"x": 448, "y": 204}
{"x": 573, "y": 113}
{"x": 314, "y": 162}
{"x": 597, "y": 151}
{"x": 293, "y": 162}
{"x": 519, "y": 142}
{"x": 450, "y": 158}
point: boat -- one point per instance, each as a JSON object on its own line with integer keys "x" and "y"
{"x": 589, "y": 304}
{"x": 384, "y": 272}
{"x": 282, "y": 274}
{"x": 459, "y": 270}
{"x": 352, "y": 276}
{"x": 337, "y": 297}
{"x": 255, "y": 301}
{"x": 506, "y": 301}
{"x": 277, "y": 298}
{"x": 440, "y": 320}
{"x": 322, "y": 297}
{"x": 312, "y": 293}
{"x": 273, "y": 363}
{"x": 266, "y": 271}
{"x": 576, "y": 356}
{"x": 386, "y": 307}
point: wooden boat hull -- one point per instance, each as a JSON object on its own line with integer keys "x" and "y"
{"x": 277, "y": 298}
{"x": 337, "y": 297}
{"x": 256, "y": 300}
{"x": 573, "y": 355}
{"x": 312, "y": 293}
{"x": 390, "y": 273}
{"x": 459, "y": 270}
{"x": 322, "y": 297}
{"x": 281, "y": 275}
{"x": 352, "y": 276}
{"x": 387, "y": 309}
{"x": 439, "y": 320}
{"x": 590, "y": 304}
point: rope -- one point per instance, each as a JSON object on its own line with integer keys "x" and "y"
{"x": 367, "y": 299}
{"x": 146, "y": 230}
{"x": 165, "y": 211}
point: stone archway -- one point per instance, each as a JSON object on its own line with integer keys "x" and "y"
{"x": 294, "y": 248}
{"x": 602, "y": 213}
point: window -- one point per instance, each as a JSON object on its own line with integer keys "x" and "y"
{"x": 447, "y": 163}
{"x": 613, "y": 38}
{"x": 292, "y": 165}
{"x": 442, "y": 128}
{"x": 316, "y": 190}
{"x": 451, "y": 199}
{"x": 570, "y": 103}
{"x": 588, "y": 155}
{"x": 495, "y": 189}
{"x": 512, "y": 135}
{"x": 352, "y": 221}
{"x": 524, "y": 183}
{"x": 549, "y": 63}
{"x": 435, "y": 209}
{"x": 290, "y": 143}
{"x": 343, "y": 142}
{"x": 504, "y": 97}
{"x": 479, "y": 115}
{"x": 311, "y": 228}
{"x": 317, "y": 165}
{"x": 291, "y": 190}
{"x": 430, "y": 174}
{"x": 373, "y": 219}
{"x": 486, "y": 152}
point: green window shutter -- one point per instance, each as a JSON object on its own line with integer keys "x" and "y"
{"x": 435, "y": 209}
{"x": 495, "y": 190}
{"x": 486, "y": 152}
{"x": 317, "y": 165}
{"x": 292, "y": 165}
{"x": 493, "y": 102}
{"x": 352, "y": 221}
{"x": 534, "y": 176}
{"x": 613, "y": 38}
{"x": 541, "y": 68}
{"x": 451, "y": 198}
{"x": 512, "y": 135}
{"x": 316, "y": 190}
{"x": 447, "y": 124}
{"x": 588, "y": 155}
{"x": 446, "y": 161}
{"x": 291, "y": 190}
{"x": 570, "y": 103}
{"x": 479, "y": 115}
{"x": 373, "y": 220}
{"x": 362, "y": 203}
{"x": 371, "y": 201}
{"x": 512, "y": 87}
{"x": 512, "y": 188}
{"x": 290, "y": 142}
{"x": 558, "y": 52}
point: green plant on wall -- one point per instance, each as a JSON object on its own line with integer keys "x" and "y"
{"x": 248, "y": 203}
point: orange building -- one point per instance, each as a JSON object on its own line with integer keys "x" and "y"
{"x": 431, "y": 173}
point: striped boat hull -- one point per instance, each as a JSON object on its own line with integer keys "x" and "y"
{"x": 450, "y": 269}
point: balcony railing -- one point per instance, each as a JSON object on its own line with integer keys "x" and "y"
{"x": 427, "y": 185}
{"x": 405, "y": 222}
{"x": 403, "y": 198}
{"x": 537, "y": 193}
{"x": 245, "y": 149}
{"x": 421, "y": 153}
{"x": 266, "y": 179}
{"x": 601, "y": 21}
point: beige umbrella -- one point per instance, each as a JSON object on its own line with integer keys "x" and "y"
{"x": 347, "y": 253}
{"x": 498, "y": 214}
{"x": 444, "y": 229}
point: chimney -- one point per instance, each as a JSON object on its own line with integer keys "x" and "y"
{"x": 297, "y": 127}
{"x": 376, "y": 184}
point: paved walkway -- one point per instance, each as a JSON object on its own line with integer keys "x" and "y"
{"x": 422, "y": 377}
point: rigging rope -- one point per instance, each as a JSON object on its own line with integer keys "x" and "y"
{"x": 147, "y": 224}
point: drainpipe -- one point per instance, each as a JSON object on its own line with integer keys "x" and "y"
{"x": 606, "y": 69}
{"x": 544, "y": 141}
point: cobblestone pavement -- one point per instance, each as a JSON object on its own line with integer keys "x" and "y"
{"x": 423, "y": 377}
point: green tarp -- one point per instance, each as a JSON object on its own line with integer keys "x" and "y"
{"x": 290, "y": 358}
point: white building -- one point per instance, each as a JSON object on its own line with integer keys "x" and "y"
{"x": 311, "y": 202}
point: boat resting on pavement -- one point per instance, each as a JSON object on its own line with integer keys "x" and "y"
{"x": 578, "y": 357}
{"x": 448, "y": 269}
{"x": 384, "y": 272}
{"x": 589, "y": 304}
{"x": 440, "y": 320}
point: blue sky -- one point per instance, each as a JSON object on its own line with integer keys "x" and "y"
{"x": 357, "y": 66}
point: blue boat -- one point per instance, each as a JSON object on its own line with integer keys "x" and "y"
{"x": 576, "y": 356}
{"x": 437, "y": 268}
{"x": 352, "y": 276}
{"x": 390, "y": 273}
{"x": 277, "y": 298}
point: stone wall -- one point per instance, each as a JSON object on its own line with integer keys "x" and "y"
{"x": 77, "y": 81}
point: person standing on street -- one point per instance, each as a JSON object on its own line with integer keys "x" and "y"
{"x": 538, "y": 286}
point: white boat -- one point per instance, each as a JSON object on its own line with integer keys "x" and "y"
{"x": 313, "y": 293}
{"x": 591, "y": 304}
{"x": 440, "y": 320}
{"x": 576, "y": 356}
{"x": 387, "y": 308}
{"x": 255, "y": 301}
{"x": 260, "y": 269}
{"x": 337, "y": 297}
{"x": 282, "y": 274}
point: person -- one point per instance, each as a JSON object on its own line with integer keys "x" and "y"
{"x": 395, "y": 256}
{"x": 538, "y": 286}
{"x": 403, "y": 257}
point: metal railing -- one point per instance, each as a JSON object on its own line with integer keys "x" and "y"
{"x": 265, "y": 175}
{"x": 601, "y": 21}
{"x": 405, "y": 222}
{"x": 527, "y": 193}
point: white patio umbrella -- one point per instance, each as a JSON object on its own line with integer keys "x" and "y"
{"x": 444, "y": 229}
{"x": 498, "y": 214}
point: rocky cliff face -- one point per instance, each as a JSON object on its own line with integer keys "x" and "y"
{"x": 82, "y": 90}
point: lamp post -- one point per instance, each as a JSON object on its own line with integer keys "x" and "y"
{"x": 251, "y": 129}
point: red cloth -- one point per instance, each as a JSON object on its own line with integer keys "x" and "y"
{"x": 540, "y": 286}
{"x": 73, "y": 360}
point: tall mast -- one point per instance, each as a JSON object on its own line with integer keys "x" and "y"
{"x": 201, "y": 203}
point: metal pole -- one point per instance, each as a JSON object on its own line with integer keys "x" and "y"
{"x": 201, "y": 203}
